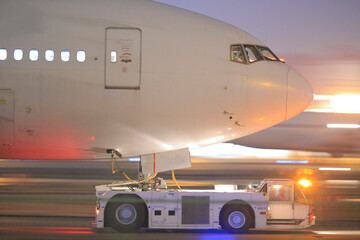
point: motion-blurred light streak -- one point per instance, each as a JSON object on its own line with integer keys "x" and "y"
{"x": 337, "y": 232}
{"x": 342, "y": 125}
{"x": 50, "y": 230}
{"x": 350, "y": 182}
{"x": 341, "y": 103}
{"x": 292, "y": 161}
{"x": 334, "y": 169}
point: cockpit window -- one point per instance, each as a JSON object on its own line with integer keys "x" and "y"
{"x": 237, "y": 54}
{"x": 267, "y": 54}
{"x": 252, "y": 53}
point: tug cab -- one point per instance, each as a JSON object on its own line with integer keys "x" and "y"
{"x": 287, "y": 203}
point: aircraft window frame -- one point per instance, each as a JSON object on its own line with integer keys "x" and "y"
{"x": 65, "y": 55}
{"x": 113, "y": 56}
{"x": 255, "y": 53}
{"x": 49, "y": 55}
{"x": 18, "y": 54}
{"x": 261, "y": 48}
{"x": 34, "y": 55}
{"x": 81, "y": 56}
{"x": 3, "y": 54}
{"x": 240, "y": 56}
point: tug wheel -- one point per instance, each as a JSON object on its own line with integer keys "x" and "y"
{"x": 236, "y": 219}
{"x": 125, "y": 215}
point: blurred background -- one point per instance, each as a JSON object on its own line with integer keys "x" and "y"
{"x": 318, "y": 38}
{"x": 65, "y": 188}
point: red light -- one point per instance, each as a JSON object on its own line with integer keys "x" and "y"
{"x": 97, "y": 209}
{"x": 92, "y": 138}
{"x": 311, "y": 214}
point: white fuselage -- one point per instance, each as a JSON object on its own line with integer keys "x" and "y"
{"x": 182, "y": 90}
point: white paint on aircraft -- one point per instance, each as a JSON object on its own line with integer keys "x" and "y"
{"x": 149, "y": 78}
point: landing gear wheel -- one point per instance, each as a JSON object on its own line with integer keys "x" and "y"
{"x": 125, "y": 215}
{"x": 236, "y": 219}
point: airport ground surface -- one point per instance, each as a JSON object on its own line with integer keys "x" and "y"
{"x": 22, "y": 227}
{"x": 55, "y": 200}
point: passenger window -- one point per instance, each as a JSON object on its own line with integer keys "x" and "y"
{"x": 34, "y": 55}
{"x": 252, "y": 53}
{"x": 237, "y": 54}
{"x": 299, "y": 196}
{"x": 280, "y": 192}
{"x": 81, "y": 56}
{"x": 65, "y": 55}
{"x": 3, "y": 54}
{"x": 113, "y": 56}
{"x": 18, "y": 54}
{"x": 49, "y": 55}
{"x": 267, "y": 54}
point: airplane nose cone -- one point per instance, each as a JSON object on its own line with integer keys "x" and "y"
{"x": 299, "y": 93}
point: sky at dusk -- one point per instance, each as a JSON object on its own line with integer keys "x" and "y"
{"x": 321, "y": 39}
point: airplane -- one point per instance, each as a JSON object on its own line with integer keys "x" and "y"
{"x": 80, "y": 77}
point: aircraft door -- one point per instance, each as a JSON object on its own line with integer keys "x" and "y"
{"x": 281, "y": 201}
{"x": 123, "y": 58}
{"x": 7, "y": 118}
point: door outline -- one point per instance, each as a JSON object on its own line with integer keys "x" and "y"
{"x": 106, "y": 63}
{"x": 283, "y": 204}
{"x": 9, "y": 98}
